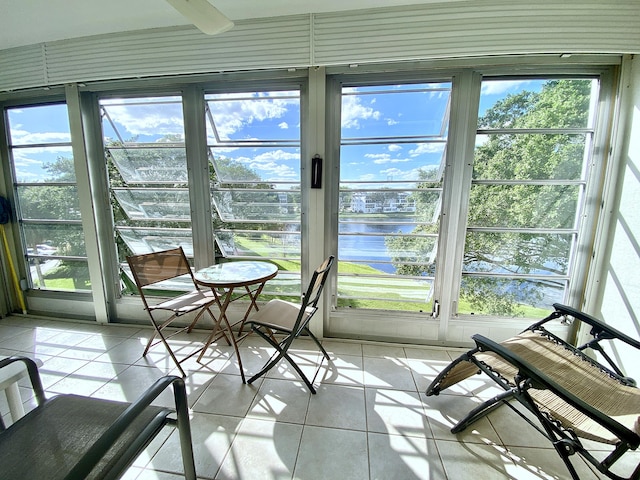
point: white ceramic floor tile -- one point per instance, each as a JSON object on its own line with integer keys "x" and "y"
{"x": 473, "y": 461}
{"x": 366, "y": 421}
{"x": 425, "y": 371}
{"x": 309, "y": 361}
{"x": 444, "y": 411}
{"x": 88, "y": 378}
{"x": 407, "y": 458}
{"x": 515, "y": 431}
{"x": 131, "y": 383}
{"x": 128, "y": 352}
{"x": 388, "y": 373}
{"x": 439, "y": 355}
{"x": 56, "y": 369}
{"x": 227, "y": 395}
{"x": 92, "y": 347}
{"x": 335, "y": 347}
{"x": 396, "y": 412}
{"x": 262, "y": 450}
{"x": 332, "y": 453}
{"x": 546, "y": 464}
{"x": 338, "y": 406}
{"x": 212, "y": 437}
{"x": 382, "y": 350}
{"x": 281, "y": 400}
{"x": 343, "y": 370}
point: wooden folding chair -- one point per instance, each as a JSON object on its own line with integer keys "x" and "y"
{"x": 572, "y": 396}
{"x": 291, "y": 320}
{"x": 153, "y": 268}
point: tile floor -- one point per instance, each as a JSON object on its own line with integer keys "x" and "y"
{"x": 369, "y": 420}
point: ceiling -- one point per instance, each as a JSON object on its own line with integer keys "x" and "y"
{"x": 26, "y": 22}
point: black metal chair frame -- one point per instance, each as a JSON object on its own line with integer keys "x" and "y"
{"x": 127, "y": 430}
{"x": 524, "y": 382}
{"x": 266, "y": 329}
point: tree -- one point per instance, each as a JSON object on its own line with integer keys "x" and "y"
{"x": 55, "y": 202}
{"x": 521, "y": 157}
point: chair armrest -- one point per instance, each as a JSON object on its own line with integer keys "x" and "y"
{"x": 32, "y": 370}
{"x": 540, "y": 381}
{"x": 91, "y": 458}
{"x": 599, "y": 330}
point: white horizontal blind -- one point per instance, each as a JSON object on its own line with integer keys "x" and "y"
{"x": 474, "y": 28}
{"x": 22, "y": 67}
{"x": 421, "y": 32}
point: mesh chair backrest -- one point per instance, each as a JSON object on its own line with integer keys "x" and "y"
{"x": 157, "y": 267}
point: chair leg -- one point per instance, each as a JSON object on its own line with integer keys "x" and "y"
{"x": 482, "y": 410}
{"x": 324, "y": 352}
{"x": 175, "y": 360}
{"x": 275, "y": 358}
{"x": 279, "y": 355}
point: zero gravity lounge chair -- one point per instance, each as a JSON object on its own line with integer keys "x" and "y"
{"x": 573, "y": 397}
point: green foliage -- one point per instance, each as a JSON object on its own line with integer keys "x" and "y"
{"x": 520, "y": 157}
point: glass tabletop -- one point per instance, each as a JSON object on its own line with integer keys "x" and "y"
{"x": 236, "y": 273}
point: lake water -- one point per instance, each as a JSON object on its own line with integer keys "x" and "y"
{"x": 370, "y": 249}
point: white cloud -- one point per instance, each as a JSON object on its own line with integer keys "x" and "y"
{"x": 498, "y": 87}
{"x": 148, "y": 119}
{"x": 353, "y": 111}
{"x": 23, "y": 137}
{"x": 233, "y": 115}
{"x": 427, "y": 148}
{"x": 383, "y": 161}
{"x": 394, "y": 148}
{"x": 276, "y": 155}
{"x": 283, "y": 125}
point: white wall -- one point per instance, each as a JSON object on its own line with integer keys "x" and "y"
{"x": 620, "y": 275}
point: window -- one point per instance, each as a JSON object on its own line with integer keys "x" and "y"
{"x": 533, "y": 150}
{"x": 253, "y": 139}
{"x": 47, "y": 198}
{"x": 147, "y": 164}
{"x": 392, "y": 150}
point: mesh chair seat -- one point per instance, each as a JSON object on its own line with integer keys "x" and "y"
{"x": 280, "y": 315}
{"x": 74, "y": 437}
{"x": 55, "y": 436}
{"x": 187, "y": 303}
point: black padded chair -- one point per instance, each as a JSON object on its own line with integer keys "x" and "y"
{"x": 572, "y": 396}
{"x": 290, "y": 320}
{"x": 74, "y": 437}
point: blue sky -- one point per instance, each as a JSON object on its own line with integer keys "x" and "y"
{"x": 271, "y": 122}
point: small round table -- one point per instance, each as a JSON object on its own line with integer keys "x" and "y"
{"x": 223, "y": 278}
